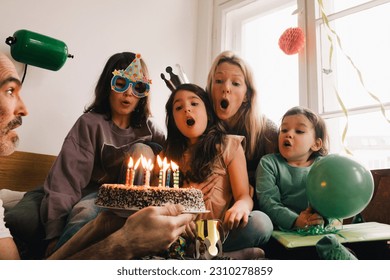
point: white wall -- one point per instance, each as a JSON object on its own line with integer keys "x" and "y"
{"x": 164, "y": 32}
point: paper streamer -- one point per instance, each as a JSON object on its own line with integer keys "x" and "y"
{"x": 372, "y": 95}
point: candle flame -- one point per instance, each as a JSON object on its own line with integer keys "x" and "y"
{"x": 130, "y": 163}
{"x": 165, "y": 164}
{"x": 159, "y": 161}
{"x": 174, "y": 166}
{"x": 146, "y": 164}
{"x": 143, "y": 162}
{"x": 150, "y": 165}
{"x": 137, "y": 163}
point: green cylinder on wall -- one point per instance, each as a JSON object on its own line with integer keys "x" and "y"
{"x": 38, "y": 50}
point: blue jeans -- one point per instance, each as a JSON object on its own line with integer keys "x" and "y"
{"x": 83, "y": 212}
{"x": 86, "y": 210}
{"x": 255, "y": 234}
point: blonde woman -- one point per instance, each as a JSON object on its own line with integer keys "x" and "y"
{"x": 233, "y": 94}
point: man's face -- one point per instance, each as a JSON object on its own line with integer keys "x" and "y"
{"x": 12, "y": 107}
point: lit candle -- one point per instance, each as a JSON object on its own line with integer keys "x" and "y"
{"x": 148, "y": 166}
{"x": 160, "y": 174}
{"x": 135, "y": 168}
{"x": 130, "y": 172}
{"x": 165, "y": 166}
{"x": 168, "y": 181}
{"x": 176, "y": 174}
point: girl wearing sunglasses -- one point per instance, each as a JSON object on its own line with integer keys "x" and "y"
{"x": 115, "y": 126}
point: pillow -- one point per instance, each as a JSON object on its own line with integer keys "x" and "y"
{"x": 10, "y": 198}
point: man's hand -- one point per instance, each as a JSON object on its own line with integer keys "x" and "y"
{"x": 153, "y": 229}
{"x": 110, "y": 237}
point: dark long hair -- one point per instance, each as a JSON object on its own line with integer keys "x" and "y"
{"x": 206, "y": 149}
{"x": 101, "y": 104}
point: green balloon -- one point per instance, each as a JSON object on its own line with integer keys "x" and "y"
{"x": 339, "y": 187}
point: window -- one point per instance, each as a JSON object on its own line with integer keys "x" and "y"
{"x": 257, "y": 28}
{"x": 345, "y": 63}
{"x": 353, "y": 61}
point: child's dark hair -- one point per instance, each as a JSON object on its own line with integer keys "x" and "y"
{"x": 206, "y": 147}
{"x": 318, "y": 125}
{"x": 101, "y": 104}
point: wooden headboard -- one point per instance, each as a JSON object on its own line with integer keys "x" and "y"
{"x": 378, "y": 210}
{"x": 23, "y": 171}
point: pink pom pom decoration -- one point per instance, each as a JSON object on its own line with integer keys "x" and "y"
{"x": 292, "y": 40}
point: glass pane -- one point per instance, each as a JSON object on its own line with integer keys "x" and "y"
{"x": 368, "y": 138}
{"x": 276, "y": 73}
{"x": 335, "y": 6}
{"x": 365, "y": 45}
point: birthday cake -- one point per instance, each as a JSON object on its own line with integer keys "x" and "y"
{"x": 137, "y": 197}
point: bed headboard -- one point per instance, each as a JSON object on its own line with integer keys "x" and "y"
{"x": 23, "y": 171}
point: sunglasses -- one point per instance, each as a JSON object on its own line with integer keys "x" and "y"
{"x": 120, "y": 84}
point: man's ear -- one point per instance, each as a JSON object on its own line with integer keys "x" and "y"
{"x": 317, "y": 145}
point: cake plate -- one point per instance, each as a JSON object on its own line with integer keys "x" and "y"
{"x": 126, "y": 212}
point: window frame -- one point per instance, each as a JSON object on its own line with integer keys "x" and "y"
{"x": 311, "y": 91}
{"x": 316, "y": 21}
{"x": 310, "y": 80}
{"x": 222, "y": 41}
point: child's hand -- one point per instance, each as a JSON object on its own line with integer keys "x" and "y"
{"x": 236, "y": 216}
{"x": 308, "y": 218}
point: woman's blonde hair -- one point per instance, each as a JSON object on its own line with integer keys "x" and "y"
{"x": 248, "y": 121}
